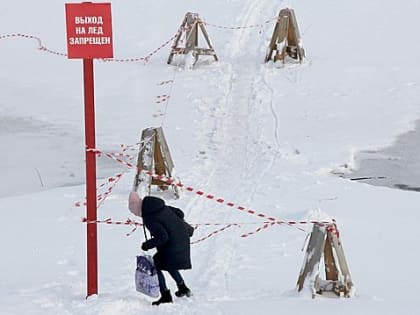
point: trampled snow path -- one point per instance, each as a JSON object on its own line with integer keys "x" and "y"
{"x": 231, "y": 133}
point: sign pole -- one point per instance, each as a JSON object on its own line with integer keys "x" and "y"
{"x": 92, "y": 239}
{"x": 89, "y": 36}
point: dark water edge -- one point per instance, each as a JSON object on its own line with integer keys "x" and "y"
{"x": 396, "y": 166}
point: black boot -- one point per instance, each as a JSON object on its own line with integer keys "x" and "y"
{"x": 183, "y": 291}
{"x": 165, "y": 297}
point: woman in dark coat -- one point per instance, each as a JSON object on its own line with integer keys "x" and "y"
{"x": 171, "y": 239}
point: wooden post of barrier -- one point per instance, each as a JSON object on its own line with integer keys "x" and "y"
{"x": 189, "y": 30}
{"x": 154, "y": 158}
{"x": 286, "y": 41}
{"x": 324, "y": 243}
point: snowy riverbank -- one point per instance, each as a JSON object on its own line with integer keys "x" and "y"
{"x": 264, "y": 137}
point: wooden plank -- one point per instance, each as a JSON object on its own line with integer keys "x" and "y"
{"x": 279, "y": 35}
{"x": 295, "y": 38}
{"x": 196, "y": 51}
{"x": 342, "y": 263}
{"x": 207, "y": 38}
{"x": 287, "y": 32}
{"x": 331, "y": 272}
{"x": 272, "y": 44}
{"x": 292, "y": 39}
{"x": 174, "y": 45}
{"x": 192, "y": 23}
{"x": 176, "y": 40}
{"x": 191, "y": 40}
{"x": 205, "y": 51}
{"x": 167, "y": 158}
{"x": 276, "y": 33}
{"x": 283, "y": 30}
{"x": 154, "y": 157}
{"x": 159, "y": 164}
{"x": 165, "y": 150}
{"x": 313, "y": 255}
{"x": 178, "y": 50}
{"x": 294, "y": 28}
{"x": 159, "y": 160}
{"x": 191, "y": 18}
{"x": 145, "y": 158}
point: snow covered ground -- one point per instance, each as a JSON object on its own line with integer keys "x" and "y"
{"x": 264, "y": 136}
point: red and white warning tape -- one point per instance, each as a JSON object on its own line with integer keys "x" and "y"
{"x": 265, "y": 226}
{"x": 224, "y": 228}
{"x": 241, "y": 27}
{"x": 145, "y": 59}
{"x": 332, "y": 228}
{"x": 109, "y": 221}
{"x": 37, "y": 39}
{"x": 112, "y": 156}
{"x": 101, "y": 197}
{"x": 219, "y": 200}
{"x": 213, "y": 233}
{"x": 171, "y": 181}
{"x": 111, "y": 182}
{"x": 196, "y": 225}
{"x": 44, "y": 48}
{"x": 137, "y": 224}
{"x": 331, "y": 225}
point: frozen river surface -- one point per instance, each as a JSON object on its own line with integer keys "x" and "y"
{"x": 30, "y": 146}
{"x": 39, "y": 156}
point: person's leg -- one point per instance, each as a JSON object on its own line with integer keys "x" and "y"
{"x": 165, "y": 294}
{"x": 176, "y": 275}
{"x": 162, "y": 282}
{"x": 183, "y": 290}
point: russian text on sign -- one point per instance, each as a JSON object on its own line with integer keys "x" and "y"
{"x": 89, "y": 30}
{"x": 89, "y": 40}
{"x": 96, "y": 30}
{"x": 88, "y": 20}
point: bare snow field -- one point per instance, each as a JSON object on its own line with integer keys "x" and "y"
{"x": 270, "y": 137}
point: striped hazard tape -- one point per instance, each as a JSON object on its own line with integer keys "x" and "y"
{"x": 271, "y": 220}
{"x": 332, "y": 227}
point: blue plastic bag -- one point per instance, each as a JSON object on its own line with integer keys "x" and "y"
{"x": 146, "y": 276}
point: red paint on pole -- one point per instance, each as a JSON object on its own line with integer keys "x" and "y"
{"x": 89, "y": 35}
{"x": 92, "y": 240}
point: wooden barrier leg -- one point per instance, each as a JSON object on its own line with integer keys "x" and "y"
{"x": 159, "y": 165}
{"x": 313, "y": 256}
{"x": 331, "y": 272}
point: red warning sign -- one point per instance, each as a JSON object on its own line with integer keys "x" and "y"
{"x": 89, "y": 30}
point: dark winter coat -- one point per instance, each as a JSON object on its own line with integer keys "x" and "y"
{"x": 169, "y": 234}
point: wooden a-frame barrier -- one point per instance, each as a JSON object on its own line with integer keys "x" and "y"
{"x": 154, "y": 157}
{"x": 286, "y": 41}
{"x": 189, "y": 28}
{"x": 324, "y": 242}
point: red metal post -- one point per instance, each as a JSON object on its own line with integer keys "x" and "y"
{"x": 92, "y": 240}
